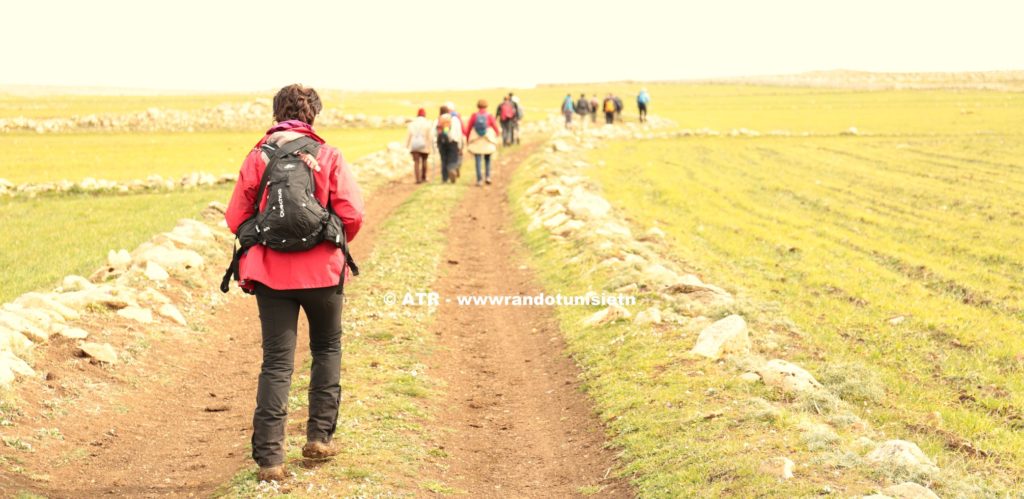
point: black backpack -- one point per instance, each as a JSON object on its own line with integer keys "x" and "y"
{"x": 293, "y": 219}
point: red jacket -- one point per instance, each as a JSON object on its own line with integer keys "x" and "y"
{"x": 320, "y": 266}
{"x": 468, "y": 125}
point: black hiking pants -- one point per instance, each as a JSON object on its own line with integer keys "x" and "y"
{"x": 279, "y": 316}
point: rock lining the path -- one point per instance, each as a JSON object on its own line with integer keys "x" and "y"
{"x": 726, "y": 336}
{"x": 252, "y": 115}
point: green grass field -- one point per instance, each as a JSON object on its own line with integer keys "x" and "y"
{"x": 51, "y": 237}
{"x": 900, "y": 253}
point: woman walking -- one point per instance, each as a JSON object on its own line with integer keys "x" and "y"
{"x": 482, "y": 143}
{"x": 418, "y": 141}
{"x": 285, "y": 282}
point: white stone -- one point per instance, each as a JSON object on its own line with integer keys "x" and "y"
{"x": 781, "y": 467}
{"x": 46, "y": 302}
{"x": 155, "y": 272}
{"x": 725, "y": 336}
{"x": 613, "y": 230}
{"x": 588, "y": 206}
{"x": 172, "y": 259}
{"x": 610, "y": 314}
{"x": 102, "y": 352}
{"x": 11, "y": 365}
{"x": 900, "y": 453}
{"x": 22, "y": 325}
{"x": 555, "y": 190}
{"x": 556, "y": 220}
{"x": 137, "y": 314}
{"x": 750, "y": 377}
{"x": 654, "y": 234}
{"x": 651, "y": 315}
{"x": 151, "y": 295}
{"x": 75, "y": 283}
{"x": 171, "y": 312}
{"x": 909, "y": 490}
{"x": 560, "y": 146}
{"x": 13, "y": 340}
{"x": 119, "y": 259}
{"x": 568, "y": 227}
{"x": 98, "y": 295}
{"x": 73, "y": 333}
{"x": 787, "y": 376}
{"x": 660, "y": 275}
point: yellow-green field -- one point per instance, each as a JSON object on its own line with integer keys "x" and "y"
{"x": 901, "y": 254}
{"x": 122, "y": 156}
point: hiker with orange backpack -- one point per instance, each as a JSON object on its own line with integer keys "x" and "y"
{"x": 507, "y": 115}
{"x": 481, "y": 142}
{"x": 295, "y": 207}
{"x": 609, "y": 109}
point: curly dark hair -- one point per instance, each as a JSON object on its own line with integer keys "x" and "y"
{"x": 296, "y": 102}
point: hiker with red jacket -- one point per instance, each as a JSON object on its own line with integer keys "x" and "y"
{"x": 507, "y": 113}
{"x": 284, "y": 282}
{"x": 481, "y": 143}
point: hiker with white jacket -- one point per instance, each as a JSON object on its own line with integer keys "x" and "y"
{"x": 420, "y": 142}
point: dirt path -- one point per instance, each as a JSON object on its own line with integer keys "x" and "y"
{"x": 516, "y": 423}
{"x": 175, "y": 423}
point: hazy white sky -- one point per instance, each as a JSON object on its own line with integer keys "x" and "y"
{"x": 392, "y": 45}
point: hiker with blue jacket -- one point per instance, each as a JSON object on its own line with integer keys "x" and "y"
{"x": 568, "y": 108}
{"x": 642, "y": 100}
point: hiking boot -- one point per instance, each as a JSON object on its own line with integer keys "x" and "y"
{"x": 315, "y": 449}
{"x": 272, "y": 473}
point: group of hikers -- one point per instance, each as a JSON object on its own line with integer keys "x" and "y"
{"x": 611, "y": 106}
{"x": 449, "y": 135}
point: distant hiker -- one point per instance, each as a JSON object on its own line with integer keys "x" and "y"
{"x": 567, "y": 110}
{"x": 609, "y": 110}
{"x": 642, "y": 99}
{"x": 457, "y": 132}
{"x": 420, "y": 141}
{"x": 289, "y": 168}
{"x": 618, "y": 107}
{"x": 481, "y": 142}
{"x": 507, "y": 116}
{"x": 448, "y": 130}
{"x": 583, "y": 109}
{"x": 594, "y": 103}
{"x": 519, "y": 116}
